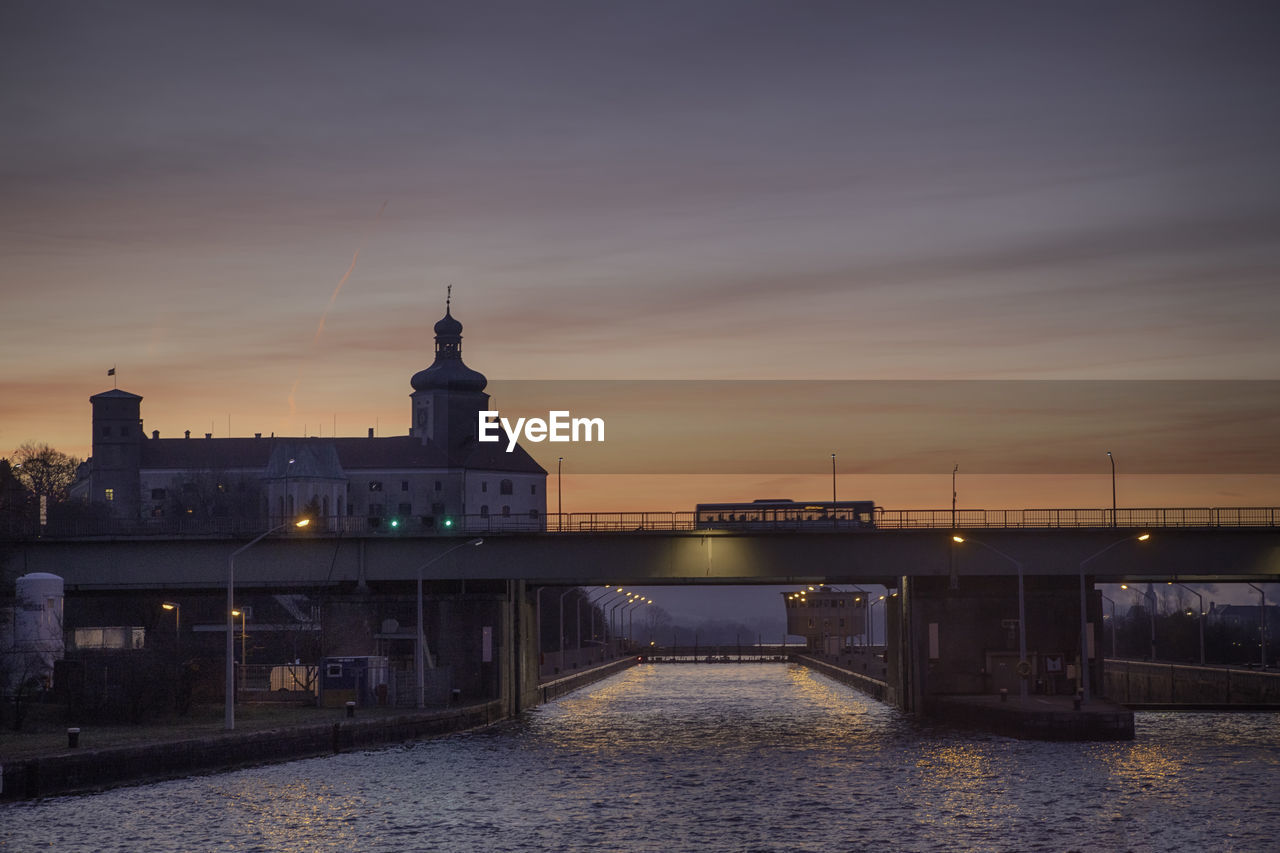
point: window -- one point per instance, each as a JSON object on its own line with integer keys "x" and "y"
{"x": 375, "y": 485}
{"x": 506, "y": 512}
{"x": 157, "y": 494}
{"x": 375, "y": 509}
{"x": 533, "y": 489}
{"x": 504, "y": 488}
{"x": 484, "y": 487}
{"x": 106, "y": 432}
{"x": 124, "y": 431}
{"x": 439, "y": 486}
{"x": 437, "y": 509}
{"x": 404, "y": 485}
{"x": 533, "y": 513}
{"x": 111, "y": 494}
{"x": 484, "y": 510}
{"x": 405, "y": 509}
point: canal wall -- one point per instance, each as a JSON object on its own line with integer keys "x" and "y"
{"x": 76, "y": 771}
{"x": 873, "y": 687}
{"x": 1141, "y": 684}
{"x": 558, "y": 687}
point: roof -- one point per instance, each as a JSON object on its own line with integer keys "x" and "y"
{"x": 394, "y": 452}
{"x": 115, "y": 393}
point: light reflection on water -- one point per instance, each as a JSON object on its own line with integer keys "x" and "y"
{"x": 758, "y": 757}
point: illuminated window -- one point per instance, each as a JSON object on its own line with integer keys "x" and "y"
{"x": 111, "y": 494}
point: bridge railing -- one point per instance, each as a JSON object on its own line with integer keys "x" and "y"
{"x": 659, "y": 522}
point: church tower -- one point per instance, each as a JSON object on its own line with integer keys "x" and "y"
{"x": 448, "y": 396}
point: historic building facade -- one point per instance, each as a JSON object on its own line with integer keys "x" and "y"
{"x": 437, "y": 477}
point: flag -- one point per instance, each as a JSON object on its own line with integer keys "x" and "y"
{"x": 111, "y": 372}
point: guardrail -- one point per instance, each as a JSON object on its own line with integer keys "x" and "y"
{"x": 664, "y": 522}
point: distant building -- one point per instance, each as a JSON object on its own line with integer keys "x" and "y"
{"x": 1245, "y": 617}
{"x": 828, "y": 619}
{"x": 436, "y": 477}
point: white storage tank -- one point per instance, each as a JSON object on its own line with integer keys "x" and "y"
{"x": 37, "y": 623}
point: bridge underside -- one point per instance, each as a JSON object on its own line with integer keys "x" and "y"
{"x": 709, "y": 557}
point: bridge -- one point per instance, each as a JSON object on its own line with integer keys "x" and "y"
{"x": 950, "y": 629}
{"x": 1191, "y": 544}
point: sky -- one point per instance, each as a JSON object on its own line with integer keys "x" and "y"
{"x": 252, "y": 211}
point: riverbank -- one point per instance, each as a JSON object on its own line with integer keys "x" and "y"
{"x": 91, "y": 768}
{"x": 40, "y": 763}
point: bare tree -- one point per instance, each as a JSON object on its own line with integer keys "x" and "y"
{"x": 45, "y": 472}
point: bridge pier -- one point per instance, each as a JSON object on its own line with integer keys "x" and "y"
{"x": 964, "y": 641}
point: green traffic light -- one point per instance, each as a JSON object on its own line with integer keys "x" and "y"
{"x": 448, "y": 522}
{"x": 395, "y": 522}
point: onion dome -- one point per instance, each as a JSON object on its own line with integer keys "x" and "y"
{"x": 448, "y": 372}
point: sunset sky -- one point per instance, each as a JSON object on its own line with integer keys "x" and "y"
{"x": 647, "y": 190}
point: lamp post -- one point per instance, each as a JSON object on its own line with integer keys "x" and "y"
{"x": 953, "y": 494}
{"x": 832, "y": 484}
{"x": 230, "y": 716}
{"x": 177, "y": 624}
{"x": 420, "y": 641}
{"x": 1113, "y": 488}
{"x": 1084, "y": 620}
{"x": 1262, "y": 620}
{"x": 872, "y": 619}
{"x": 593, "y": 602}
{"x": 613, "y": 631}
{"x": 1151, "y": 595}
{"x": 559, "y": 495}
{"x": 243, "y": 633}
{"x": 1106, "y": 597}
{"x": 1024, "y": 667}
{"x": 1199, "y": 614}
{"x": 560, "y": 610}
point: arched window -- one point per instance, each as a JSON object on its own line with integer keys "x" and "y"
{"x": 506, "y": 512}
{"x": 504, "y": 487}
{"x": 484, "y": 510}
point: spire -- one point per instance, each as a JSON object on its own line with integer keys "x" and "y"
{"x": 448, "y": 370}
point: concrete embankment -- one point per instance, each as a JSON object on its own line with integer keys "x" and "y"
{"x": 873, "y": 687}
{"x": 76, "y": 771}
{"x": 1163, "y": 686}
{"x": 558, "y": 687}
{"x": 1038, "y": 718}
{"x": 1041, "y": 717}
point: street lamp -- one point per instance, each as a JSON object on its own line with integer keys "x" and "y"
{"x": 243, "y": 633}
{"x": 872, "y": 618}
{"x": 1151, "y": 595}
{"x": 177, "y": 624}
{"x": 1106, "y": 597}
{"x": 1024, "y": 667}
{"x": 230, "y": 716}
{"x": 1199, "y": 614}
{"x": 612, "y": 629}
{"x": 1084, "y": 620}
{"x": 1262, "y": 620}
{"x": 1113, "y": 488}
{"x": 833, "y": 483}
{"x": 420, "y": 641}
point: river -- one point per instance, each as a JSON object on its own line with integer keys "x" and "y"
{"x": 734, "y": 757}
